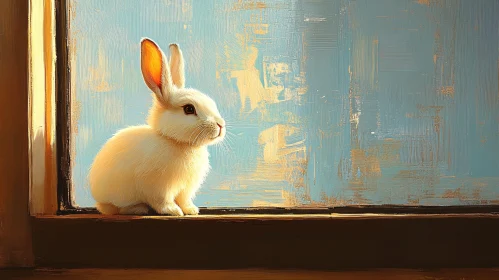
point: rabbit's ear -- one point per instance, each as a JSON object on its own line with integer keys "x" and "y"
{"x": 177, "y": 66}
{"x": 155, "y": 70}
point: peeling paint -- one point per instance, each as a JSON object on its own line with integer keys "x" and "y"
{"x": 99, "y": 75}
{"x": 248, "y": 5}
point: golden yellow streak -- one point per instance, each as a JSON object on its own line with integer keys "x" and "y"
{"x": 37, "y": 96}
{"x": 49, "y": 62}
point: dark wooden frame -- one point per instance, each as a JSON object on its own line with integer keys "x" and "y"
{"x": 15, "y": 226}
{"x": 321, "y": 238}
{"x": 63, "y": 109}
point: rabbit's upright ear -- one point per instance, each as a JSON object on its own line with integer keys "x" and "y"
{"x": 155, "y": 70}
{"x": 177, "y": 66}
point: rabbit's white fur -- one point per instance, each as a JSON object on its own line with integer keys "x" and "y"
{"x": 162, "y": 164}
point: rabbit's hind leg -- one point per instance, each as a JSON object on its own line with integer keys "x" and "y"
{"x": 137, "y": 209}
{"x": 107, "y": 208}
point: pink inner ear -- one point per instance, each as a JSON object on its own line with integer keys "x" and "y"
{"x": 152, "y": 62}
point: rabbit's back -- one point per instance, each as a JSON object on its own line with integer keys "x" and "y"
{"x": 112, "y": 176}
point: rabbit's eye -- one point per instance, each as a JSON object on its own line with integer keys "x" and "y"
{"x": 189, "y": 109}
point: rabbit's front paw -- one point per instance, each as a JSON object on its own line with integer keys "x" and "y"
{"x": 190, "y": 210}
{"x": 171, "y": 209}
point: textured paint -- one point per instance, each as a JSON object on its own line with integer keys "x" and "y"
{"x": 328, "y": 102}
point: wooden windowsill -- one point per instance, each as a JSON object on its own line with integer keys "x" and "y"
{"x": 125, "y": 274}
{"x": 322, "y": 241}
{"x": 270, "y": 217}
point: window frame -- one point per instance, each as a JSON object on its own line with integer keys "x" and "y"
{"x": 386, "y": 236}
{"x": 63, "y": 131}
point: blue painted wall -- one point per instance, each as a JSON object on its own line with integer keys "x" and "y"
{"x": 329, "y": 102}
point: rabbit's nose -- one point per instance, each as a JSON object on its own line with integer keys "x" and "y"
{"x": 220, "y": 131}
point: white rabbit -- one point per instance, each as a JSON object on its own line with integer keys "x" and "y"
{"x": 160, "y": 165}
